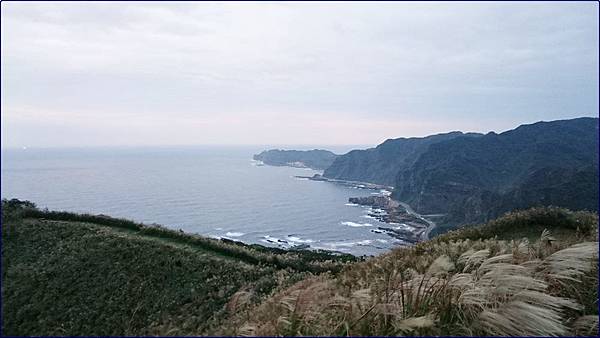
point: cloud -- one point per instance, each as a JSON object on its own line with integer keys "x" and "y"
{"x": 365, "y": 71}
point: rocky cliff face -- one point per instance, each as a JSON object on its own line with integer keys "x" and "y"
{"x": 315, "y": 159}
{"x": 475, "y": 179}
{"x": 381, "y": 164}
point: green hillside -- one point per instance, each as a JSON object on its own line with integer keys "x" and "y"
{"x": 68, "y": 274}
{"x": 531, "y": 272}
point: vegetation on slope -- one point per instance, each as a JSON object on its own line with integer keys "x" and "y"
{"x": 476, "y": 179}
{"x": 70, "y": 274}
{"x": 316, "y": 159}
{"x": 381, "y": 164}
{"x": 525, "y": 223}
{"x": 531, "y": 272}
{"x": 496, "y": 279}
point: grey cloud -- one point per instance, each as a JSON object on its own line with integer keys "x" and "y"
{"x": 430, "y": 67}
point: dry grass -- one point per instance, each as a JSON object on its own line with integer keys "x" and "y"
{"x": 453, "y": 286}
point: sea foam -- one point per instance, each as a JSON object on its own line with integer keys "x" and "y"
{"x": 356, "y": 225}
{"x": 295, "y": 239}
{"x": 350, "y": 244}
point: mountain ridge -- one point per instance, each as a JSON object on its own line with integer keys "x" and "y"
{"x": 471, "y": 177}
{"x": 380, "y": 164}
{"x": 496, "y": 166}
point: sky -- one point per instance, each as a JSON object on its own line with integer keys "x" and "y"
{"x": 143, "y": 74}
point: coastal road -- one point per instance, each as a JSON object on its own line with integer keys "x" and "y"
{"x": 431, "y": 224}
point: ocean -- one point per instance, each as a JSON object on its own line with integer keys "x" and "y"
{"x": 215, "y": 191}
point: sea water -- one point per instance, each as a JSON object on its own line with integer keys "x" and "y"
{"x": 215, "y": 191}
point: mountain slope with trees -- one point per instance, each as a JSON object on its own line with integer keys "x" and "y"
{"x": 471, "y": 178}
{"x": 477, "y": 179}
{"x": 381, "y": 164}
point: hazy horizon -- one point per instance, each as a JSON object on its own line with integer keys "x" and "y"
{"x": 289, "y": 74}
{"x": 265, "y": 146}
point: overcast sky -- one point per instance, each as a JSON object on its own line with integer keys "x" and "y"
{"x": 87, "y": 74}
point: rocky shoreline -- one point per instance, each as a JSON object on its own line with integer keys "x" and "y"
{"x": 404, "y": 224}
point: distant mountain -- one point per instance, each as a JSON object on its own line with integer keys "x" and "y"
{"x": 473, "y": 179}
{"x": 315, "y": 159}
{"x": 381, "y": 164}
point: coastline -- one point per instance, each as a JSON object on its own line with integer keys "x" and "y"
{"x": 355, "y": 184}
{"x": 405, "y": 223}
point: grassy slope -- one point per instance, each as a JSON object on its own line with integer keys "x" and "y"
{"x": 507, "y": 277}
{"x": 82, "y": 278}
{"x": 67, "y": 274}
